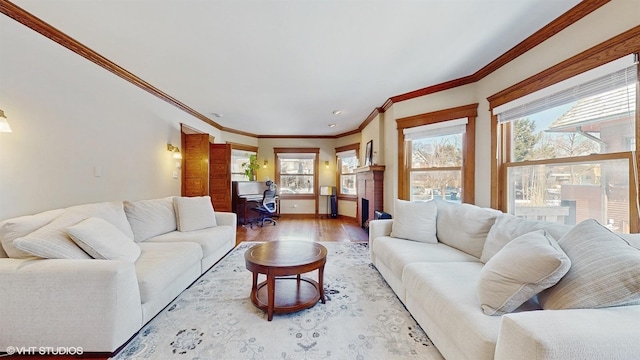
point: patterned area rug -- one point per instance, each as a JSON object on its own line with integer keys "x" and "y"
{"x": 215, "y": 319}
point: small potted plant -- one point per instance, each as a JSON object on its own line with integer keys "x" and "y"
{"x": 250, "y": 167}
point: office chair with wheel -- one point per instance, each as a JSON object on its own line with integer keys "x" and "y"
{"x": 268, "y": 207}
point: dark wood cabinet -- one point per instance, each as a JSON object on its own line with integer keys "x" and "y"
{"x": 206, "y": 170}
{"x": 220, "y": 176}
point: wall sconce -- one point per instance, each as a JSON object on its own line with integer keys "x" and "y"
{"x": 266, "y": 163}
{"x": 4, "y": 124}
{"x": 175, "y": 150}
{"x": 326, "y": 164}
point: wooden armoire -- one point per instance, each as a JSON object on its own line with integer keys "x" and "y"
{"x": 206, "y": 170}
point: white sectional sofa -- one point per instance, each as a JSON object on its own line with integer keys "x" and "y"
{"x": 554, "y": 291}
{"x": 92, "y": 275}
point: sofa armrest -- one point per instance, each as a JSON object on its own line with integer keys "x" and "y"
{"x": 226, "y": 218}
{"x": 570, "y": 334}
{"x": 93, "y": 304}
{"x": 378, "y": 228}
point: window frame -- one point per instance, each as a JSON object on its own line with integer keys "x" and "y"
{"x": 610, "y": 50}
{"x": 314, "y": 195}
{"x": 468, "y": 148}
{"x": 340, "y": 195}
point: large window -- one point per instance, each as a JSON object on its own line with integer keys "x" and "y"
{"x": 296, "y": 170}
{"x": 347, "y": 160}
{"x": 568, "y": 149}
{"x": 437, "y": 160}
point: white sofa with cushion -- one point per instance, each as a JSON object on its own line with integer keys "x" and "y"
{"x": 92, "y": 275}
{"x": 488, "y": 285}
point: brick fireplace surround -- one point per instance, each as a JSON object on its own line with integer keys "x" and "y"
{"x": 370, "y": 181}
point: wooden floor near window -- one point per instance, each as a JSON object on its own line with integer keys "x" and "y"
{"x": 304, "y": 228}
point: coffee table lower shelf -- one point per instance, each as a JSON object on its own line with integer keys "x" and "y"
{"x": 292, "y": 294}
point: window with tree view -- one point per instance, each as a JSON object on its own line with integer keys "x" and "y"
{"x": 436, "y": 155}
{"x": 571, "y": 151}
{"x": 296, "y": 173}
{"x": 347, "y": 161}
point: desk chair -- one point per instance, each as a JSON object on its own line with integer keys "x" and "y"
{"x": 268, "y": 207}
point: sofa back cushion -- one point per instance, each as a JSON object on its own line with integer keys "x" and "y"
{"x": 415, "y": 220}
{"x": 112, "y": 212}
{"x": 149, "y": 218}
{"x": 15, "y": 228}
{"x": 508, "y": 227}
{"x": 464, "y": 226}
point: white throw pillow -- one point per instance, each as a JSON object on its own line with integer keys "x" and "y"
{"x": 415, "y": 220}
{"x": 464, "y": 226}
{"x": 194, "y": 213}
{"x": 102, "y": 240}
{"x": 521, "y": 269}
{"x": 508, "y": 227}
{"x": 52, "y": 241}
{"x": 605, "y": 270}
{"x": 149, "y": 218}
{"x": 112, "y": 212}
{"x": 12, "y": 229}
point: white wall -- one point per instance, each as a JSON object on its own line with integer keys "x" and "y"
{"x": 70, "y": 117}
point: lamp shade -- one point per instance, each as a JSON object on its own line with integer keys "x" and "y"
{"x": 4, "y": 124}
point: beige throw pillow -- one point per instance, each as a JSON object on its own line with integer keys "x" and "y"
{"x": 102, "y": 240}
{"x": 194, "y": 213}
{"x": 605, "y": 270}
{"x": 415, "y": 220}
{"x": 525, "y": 266}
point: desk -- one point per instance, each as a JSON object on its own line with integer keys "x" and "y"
{"x": 246, "y": 195}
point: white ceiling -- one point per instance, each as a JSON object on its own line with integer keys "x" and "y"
{"x": 282, "y": 67}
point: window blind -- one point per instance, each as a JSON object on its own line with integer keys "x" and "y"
{"x": 451, "y": 127}
{"x": 346, "y": 154}
{"x": 296, "y": 155}
{"x": 593, "y": 82}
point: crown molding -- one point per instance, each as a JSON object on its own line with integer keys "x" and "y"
{"x": 576, "y": 13}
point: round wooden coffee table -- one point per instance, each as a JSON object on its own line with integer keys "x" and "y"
{"x": 278, "y": 259}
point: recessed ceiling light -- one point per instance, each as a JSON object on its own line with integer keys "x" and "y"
{"x": 337, "y": 112}
{"x": 332, "y": 125}
{"x": 217, "y": 115}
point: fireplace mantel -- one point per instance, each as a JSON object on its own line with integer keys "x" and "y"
{"x": 370, "y": 182}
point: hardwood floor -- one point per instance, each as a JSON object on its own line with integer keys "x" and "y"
{"x": 304, "y": 228}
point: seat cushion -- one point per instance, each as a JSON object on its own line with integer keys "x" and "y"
{"x": 210, "y": 239}
{"x": 443, "y": 298}
{"x": 160, "y": 264}
{"x": 396, "y": 253}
